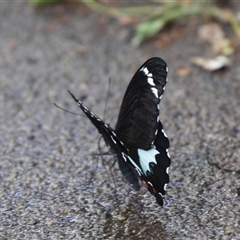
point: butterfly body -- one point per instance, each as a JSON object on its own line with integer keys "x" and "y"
{"x": 139, "y": 141}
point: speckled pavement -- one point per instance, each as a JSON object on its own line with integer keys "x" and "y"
{"x": 47, "y": 188}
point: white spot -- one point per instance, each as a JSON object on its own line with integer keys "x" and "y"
{"x": 166, "y": 69}
{"x": 150, "y": 81}
{"x": 158, "y": 119}
{"x": 167, "y": 170}
{"x": 164, "y": 133}
{"x": 149, "y": 183}
{"x": 113, "y": 140}
{"x": 106, "y": 125}
{"x": 164, "y": 88}
{"x": 160, "y": 194}
{"x": 165, "y": 187}
{"x": 160, "y": 97}
{"x": 123, "y": 155}
{"x": 158, "y": 107}
{"x": 145, "y": 70}
{"x": 155, "y": 92}
{"x": 113, "y": 133}
{"x": 146, "y": 157}
{"x": 150, "y": 75}
{"x": 83, "y": 106}
{"x": 168, "y": 153}
{"x": 166, "y": 79}
{"x": 156, "y": 132}
{"x": 139, "y": 171}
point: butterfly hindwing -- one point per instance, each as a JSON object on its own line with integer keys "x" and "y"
{"x": 128, "y": 172}
{"x": 160, "y": 170}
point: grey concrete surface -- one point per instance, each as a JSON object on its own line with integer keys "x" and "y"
{"x": 47, "y": 190}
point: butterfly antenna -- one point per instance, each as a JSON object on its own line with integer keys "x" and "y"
{"x": 111, "y": 175}
{"x": 108, "y": 93}
{"x": 99, "y": 147}
{"x": 68, "y": 111}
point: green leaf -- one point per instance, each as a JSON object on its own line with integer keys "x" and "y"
{"x": 44, "y": 2}
{"x": 148, "y": 29}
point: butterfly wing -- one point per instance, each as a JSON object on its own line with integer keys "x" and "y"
{"x": 139, "y": 142}
{"x": 140, "y": 129}
{"x": 104, "y": 129}
{"x": 117, "y": 146}
{"x": 128, "y": 172}
{"x": 139, "y": 113}
{"x": 157, "y": 175}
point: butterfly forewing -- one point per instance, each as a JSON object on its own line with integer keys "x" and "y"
{"x": 138, "y": 117}
{"x": 104, "y": 129}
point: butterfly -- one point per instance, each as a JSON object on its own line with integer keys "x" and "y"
{"x": 139, "y": 141}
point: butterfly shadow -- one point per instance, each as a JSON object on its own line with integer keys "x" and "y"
{"x": 132, "y": 222}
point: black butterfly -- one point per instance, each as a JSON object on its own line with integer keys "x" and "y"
{"x": 139, "y": 141}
